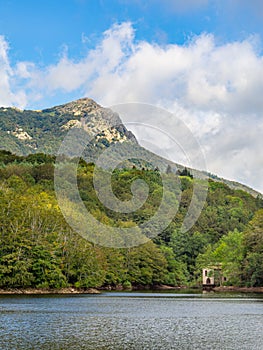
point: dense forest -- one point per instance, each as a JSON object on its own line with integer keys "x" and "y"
{"x": 38, "y": 249}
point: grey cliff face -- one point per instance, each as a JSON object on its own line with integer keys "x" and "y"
{"x": 94, "y": 118}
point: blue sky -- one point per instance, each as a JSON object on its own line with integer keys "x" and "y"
{"x": 200, "y": 59}
{"x": 39, "y": 31}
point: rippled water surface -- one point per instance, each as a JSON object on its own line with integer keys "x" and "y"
{"x": 132, "y": 321}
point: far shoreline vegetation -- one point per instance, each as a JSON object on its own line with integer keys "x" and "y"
{"x": 41, "y": 254}
{"x": 154, "y": 289}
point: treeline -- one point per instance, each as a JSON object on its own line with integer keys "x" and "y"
{"x": 38, "y": 249}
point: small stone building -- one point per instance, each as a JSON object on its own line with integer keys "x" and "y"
{"x": 212, "y": 276}
{"x": 208, "y": 277}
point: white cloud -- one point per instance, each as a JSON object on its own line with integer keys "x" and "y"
{"x": 200, "y": 75}
{"x": 8, "y": 97}
{"x": 236, "y": 152}
{"x": 69, "y": 75}
{"x": 216, "y": 89}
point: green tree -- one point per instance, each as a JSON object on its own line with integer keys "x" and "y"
{"x": 253, "y": 241}
{"x": 228, "y": 252}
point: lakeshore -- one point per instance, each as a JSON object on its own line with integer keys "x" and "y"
{"x": 71, "y": 290}
{"x": 31, "y": 291}
{"x": 238, "y": 289}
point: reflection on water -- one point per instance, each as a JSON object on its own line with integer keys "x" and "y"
{"x": 132, "y": 321}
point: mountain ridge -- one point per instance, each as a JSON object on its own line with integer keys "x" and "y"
{"x": 34, "y": 131}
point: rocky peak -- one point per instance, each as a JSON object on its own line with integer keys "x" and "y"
{"x": 93, "y": 118}
{"x": 80, "y": 107}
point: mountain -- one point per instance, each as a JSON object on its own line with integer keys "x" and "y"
{"x": 41, "y": 131}
{"x": 26, "y": 131}
{"x": 43, "y": 246}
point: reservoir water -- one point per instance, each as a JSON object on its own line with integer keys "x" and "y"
{"x": 134, "y": 320}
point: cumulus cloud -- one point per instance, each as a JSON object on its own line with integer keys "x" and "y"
{"x": 236, "y": 152}
{"x": 199, "y": 74}
{"x": 8, "y": 96}
{"x": 214, "y": 88}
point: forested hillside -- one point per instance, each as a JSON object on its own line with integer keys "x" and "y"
{"x": 39, "y": 250}
{"x": 24, "y": 132}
